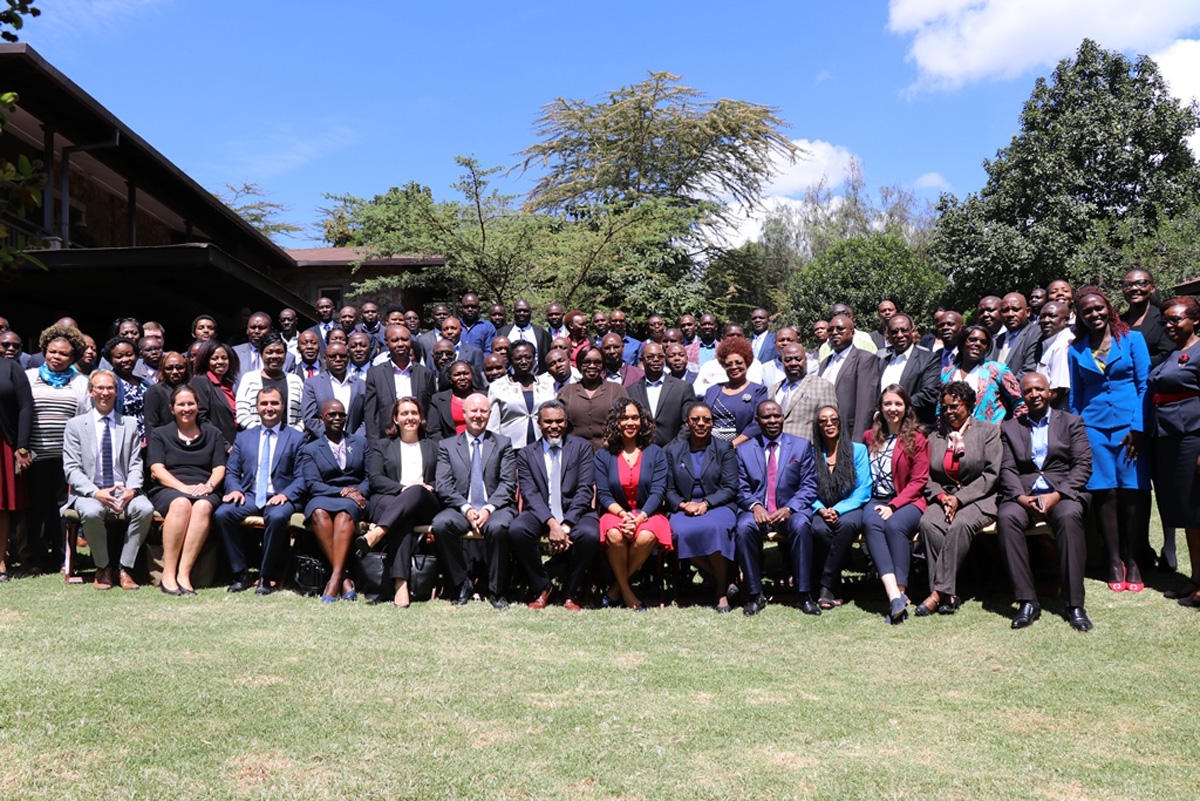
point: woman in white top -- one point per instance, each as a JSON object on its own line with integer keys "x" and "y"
{"x": 515, "y": 398}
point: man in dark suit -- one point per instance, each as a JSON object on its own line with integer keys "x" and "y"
{"x": 616, "y": 369}
{"x": 555, "y": 475}
{"x": 325, "y": 321}
{"x": 476, "y": 485}
{"x": 911, "y": 366}
{"x": 1016, "y": 343}
{"x": 422, "y": 346}
{"x": 334, "y": 382}
{"x": 452, "y": 331}
{"x": 396, "y": 378}
{"x": 250, "y": 352}
{"x": 1045, "y": 469}
{"x": 263, "y": 478}
{"x": 523, "y": 329}
{"x": 777, "y": 484}
{"x": 762, "y": 341}
{"x": 667, "y": 397}
{"x": 308, "y": 345}
{"x": 854, "y": 376}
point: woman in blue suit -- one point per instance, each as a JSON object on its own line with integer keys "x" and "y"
{"x": 1109, "y": 368}
{"x": 631, "y": 482}
{"x": 701, "y": 488}
{"x": 335, "y": 478}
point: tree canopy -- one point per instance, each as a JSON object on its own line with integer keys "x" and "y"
{"x": 251, "y": 203}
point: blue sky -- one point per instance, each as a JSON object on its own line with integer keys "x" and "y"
{"x": 305, "y": 98}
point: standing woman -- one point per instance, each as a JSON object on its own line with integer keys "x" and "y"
{"x": 1109, "y": 368}
{"x": 59, "y": 393}
{"x": 16, "y": 422}
{"x": 631, "y": 483}
{"x": 899, "y": 471}
{"x": 335, "y": 477}
{"x": 964, "y": 471}
{"x": 701, "y": 488}
{"x": 515, "y": 398}
{"x": 1144, "y": 315}
{"x": 173, "y": 371}
{"x": 735, "y": 401}
{"x": 401, "y": 467}
{"x": 204, "y": 328}
{"x": 131, "y": 389}
{"x": 446, "y": 417}
{"x": 843, "y": 489}
{"x": 212, "y": 381}
{"x": 996, "y": 389}
{"x": 590, "y": 401}
{"x": 1174, "y": 387}
{"x": 187, "y": 463}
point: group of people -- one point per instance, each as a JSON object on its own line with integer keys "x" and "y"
{"x": 701, "y": 440}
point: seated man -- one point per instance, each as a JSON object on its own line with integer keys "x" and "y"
{"x": 262, "y": 478}
{"x": 102, "y": 461}
{"x": 777, "y": 484}
{"x": 476, "y": 483}
{"x": 555, "y": 475}
{"x": 1046, "y": 465}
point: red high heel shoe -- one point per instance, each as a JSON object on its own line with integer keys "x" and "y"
{"x": 1119, "y": 586}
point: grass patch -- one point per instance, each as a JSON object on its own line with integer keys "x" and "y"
{"x": 136, "y": 695}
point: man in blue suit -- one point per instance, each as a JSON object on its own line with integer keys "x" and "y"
{"x": 762, "y": 341}
{"x": 334, "y": 381}
{"x": 777, "y": 484}
{"x": 275, "y": 496}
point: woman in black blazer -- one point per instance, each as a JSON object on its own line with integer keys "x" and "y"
{"x": 216, "y": 367}
{"x": 701, "y": 488}
{"x": 445, "y": 407}
{"x": 401, "y": 469}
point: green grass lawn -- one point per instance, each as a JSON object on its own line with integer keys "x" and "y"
{"x": 141, "y": 695}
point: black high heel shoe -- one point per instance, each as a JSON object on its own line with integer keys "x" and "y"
{"x": 899, "y": 610}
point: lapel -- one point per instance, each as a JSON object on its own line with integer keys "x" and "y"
{"x": 90, "y": 446}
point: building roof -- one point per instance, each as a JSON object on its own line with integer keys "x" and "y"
{"x": 334, "y": 257}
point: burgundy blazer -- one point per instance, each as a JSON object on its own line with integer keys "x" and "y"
{"x": 910, "y": 474}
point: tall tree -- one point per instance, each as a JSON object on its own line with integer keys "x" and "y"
{"x": 1101, "y": 162}
{"x": 20, "y": 181}
{"x": 251, "y": 203}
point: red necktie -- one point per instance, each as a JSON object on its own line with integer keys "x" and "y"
{"x": 772, "y": 476}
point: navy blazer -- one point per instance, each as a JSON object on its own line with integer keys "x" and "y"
{"x": 796, "y": 479}
{"x": 578, "y": 469}
{"x": 241, "y": 470}
{"x": 318, "y": 390}
{"x": 768, "y": 351}
{"x": 466, "y": 352}
{"x": 322, "y": 476}
{"x": 718, "y": 473}
{"x": 652, "y": 481}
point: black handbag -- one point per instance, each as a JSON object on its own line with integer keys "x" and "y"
{"x": 372, "y": 580}
{"x": 424, "y": 576}
{"x": 311, "y": 574}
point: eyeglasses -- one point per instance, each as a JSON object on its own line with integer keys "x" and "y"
{"x": 1139, "y": 283}
{"x": 334, "y": 415}
{"x": 14, "y": 345}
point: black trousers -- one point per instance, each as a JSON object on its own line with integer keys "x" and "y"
{"x": 450, "y": 525}
{"x": 1066, "y": 520}
{"x": 524, "y": 538}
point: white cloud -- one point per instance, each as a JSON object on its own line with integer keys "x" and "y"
{"x": 932, "y": 180}
{"x": 282, "y": 150}
{"x": 822, "y": 77}
{"x": 1180, "y": 66}
{"x": 817, "y": 161}
{"x": 955, "y": 42}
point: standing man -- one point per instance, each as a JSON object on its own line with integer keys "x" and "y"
{"x": 910, "y": 366}
{"x": 678, "y": 364}
{"x": 372, "y": 326}
{"x": 555, "y": 476}
{"x": 884, "y": 311}
{"x": 777, "y": 484}
{"x": 262, "y": 478}
{"x": 1044, "y": 472}
{"x": 1016, "y": 344}
{"x": 862, "y": 340}
{"x": 361, "y": 346}
{"x": 762, "y": 341}
{"x": 287, "y": 330}
{"x": 335, "y": 383}
{"x": 854, "y": 376}
{"x": 102, "y": 461}
{"x": 949, "y": 331}
{"x": 476, "y": 485}
{"x": 348, "y": 319}
{"x": 309, "y": 362}
{"x": 398, "y": 377}
{"x": 615, "y": 368}
{"x": 523, "y": 330}
{"x": 325, "y": 321}
{"x": 452, "y": 331}
{"x": 799, "y": 394}
{"x": 554, "y": 321}
{"x": 475, "y": 331}
{"x": 249, "y": 353}
{"x": 706, "y": 341}
{"x": 687, "y": 327}
{"x": 667, "y": 397}
{"x": 423, "y": 345}
{"x": 632, "y": 347}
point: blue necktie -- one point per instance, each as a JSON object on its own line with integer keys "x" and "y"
{"x": 106, "y": 460}
{"x": 264, "y": 469}
{"x": 478, "y": 495}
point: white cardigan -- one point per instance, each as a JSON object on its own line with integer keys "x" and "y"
{"x": 247, "y": 400}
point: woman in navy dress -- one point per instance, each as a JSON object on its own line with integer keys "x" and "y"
{"x": 335, "y": 477}
{"x": 1174, "y": 388}
{"x": 1109, "y": 366}
{"x": 701, "y": 488}
{"x": 734, "y": 402}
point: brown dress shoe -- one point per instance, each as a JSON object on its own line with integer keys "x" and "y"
{"x": 572, "y": 606}
{"x": 126, "y": 579}
{"x": 543, "y": 599}
{"x": 103, "y": 579}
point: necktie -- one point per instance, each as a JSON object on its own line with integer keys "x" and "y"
{"x": 264, "y": 469}
{"x": 310, "y": 371}
{"x": 478, "y": 495}
{"x": 772, "y": 475}
{"x": 255, "y": 359}
{"x": 556, "y": 507}
{"x": 106, "y": 459}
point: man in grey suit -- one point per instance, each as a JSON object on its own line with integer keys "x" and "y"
{"x": 854, "y": 377}
{"x": 476, "y": 484}
{"x": 800, "y": 395}
{"x": 102, "y": 460}
{"x": 334, "y": 381}
{"x": 668, "y": 398}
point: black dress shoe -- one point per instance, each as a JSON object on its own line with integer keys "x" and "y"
{"x": 756, "y": 604}
{"x": 241, "y": 582}
{"x": 465, "y": 591}
{"x": 809, "y": 607}
{"x": 264, "y": 588}
{"x": 1078, "y": 618}
{"x": 499, "y": 602}
{"x": 1027, "y": 612}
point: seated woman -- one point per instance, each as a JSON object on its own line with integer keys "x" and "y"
{"x": 899, "y": 471}
{"x": 402, "y": 467}
{"x": 335, "y": 477}
{"x": 631, "y": 483}
{"x": 131, "y": 390}
{"x": 446, "y": 407}
{"x": 591, "y": 400}
{"x": 735, "y": 401}
{"x": 187, "y": 463}
{"x": 964, "y": 473}
{"x": 702, "y": 487}
{"x": 843, "y": 489}
{"x": 173, "y": 371}
{"x": 997, "y": 392}
{"x": 290, "y": 386}
{"x": 212, "y": 381}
